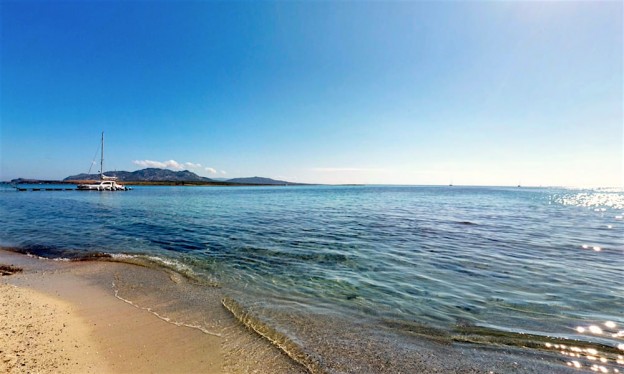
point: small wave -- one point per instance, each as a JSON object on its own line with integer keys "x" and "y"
{"x": 414, "y": 328}
{"x": 165, "y": 263}
{"x": 310, "y": 361}
{"x": 577, "y": 353}
{"x": 489, "y": 336}
{"x": 60, "y": 259}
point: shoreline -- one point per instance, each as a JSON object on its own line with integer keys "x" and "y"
{"x": 109, "y": 317}
{"x": 145, "y": 318}
{"x": 131, "y": 316}
{"x": 110, "y": 335}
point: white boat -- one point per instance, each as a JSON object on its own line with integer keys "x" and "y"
{"x": 103, "y": 186}
{"x": 106, "y": 183}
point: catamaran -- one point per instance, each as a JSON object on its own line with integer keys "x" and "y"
{"x": 106, "y": 183}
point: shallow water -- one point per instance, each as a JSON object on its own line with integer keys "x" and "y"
{"x": 328, "y": 268}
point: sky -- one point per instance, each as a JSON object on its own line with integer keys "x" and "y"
{"x": 462, "y": 92}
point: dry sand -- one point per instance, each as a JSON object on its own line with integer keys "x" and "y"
{"x": 39, "y": 333}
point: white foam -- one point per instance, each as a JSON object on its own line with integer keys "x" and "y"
{"x": 171, "y": 263}
{"x": 63, "y": 259}
{"x": 121, "y": 255}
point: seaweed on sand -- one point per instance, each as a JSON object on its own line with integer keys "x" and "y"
{"x": 9, "y": 270}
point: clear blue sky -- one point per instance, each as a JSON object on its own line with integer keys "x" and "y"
{"x": 486, "y": 93}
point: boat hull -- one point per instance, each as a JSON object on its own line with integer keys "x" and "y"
{"x": 102, "y": 186}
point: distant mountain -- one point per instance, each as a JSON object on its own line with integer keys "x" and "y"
{"x": 145, "y": 175}
{"x": 166, "y": 175}
{"x": 259, "y": 180}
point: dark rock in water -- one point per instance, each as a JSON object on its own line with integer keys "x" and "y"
{"x": 466, "y": 223}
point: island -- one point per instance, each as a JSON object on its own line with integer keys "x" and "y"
{"x": 160, "y": 177}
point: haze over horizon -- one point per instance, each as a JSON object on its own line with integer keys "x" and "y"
{"x": 474, "y": 93}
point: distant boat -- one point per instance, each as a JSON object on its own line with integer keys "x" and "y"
{"x": 106, "y": 183}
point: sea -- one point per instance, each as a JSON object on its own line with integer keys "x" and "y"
{"x": 346, "y": 273}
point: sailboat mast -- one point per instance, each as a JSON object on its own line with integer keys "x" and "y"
{"x": 102, "y": 159}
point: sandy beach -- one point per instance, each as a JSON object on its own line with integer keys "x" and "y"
{"x": 40, "y": 333}
{"x": 54, "y": 320}
{"x": 71, "y": 317}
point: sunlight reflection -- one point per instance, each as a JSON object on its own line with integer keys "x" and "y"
{"x": 595, "y": 329}
{"x": 596, "y": 248}
{"x": 598, "y": 200}
{"x": 595, "y": 359}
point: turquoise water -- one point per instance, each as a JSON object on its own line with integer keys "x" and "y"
{"x": 541, "y": 261}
